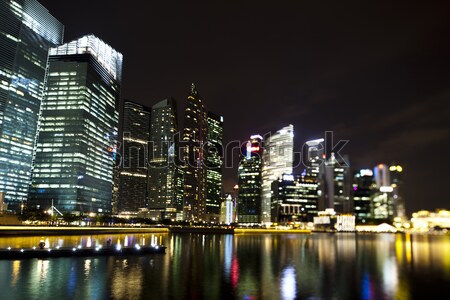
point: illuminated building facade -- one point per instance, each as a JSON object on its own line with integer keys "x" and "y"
{"x": 250, "y": 182}
{"x": 425, "y": 220}
{"x": 278, "y": 159}
{"x": 227, "y": 211}
{"x": 336, "y": 185}
{"x": 214, "y": 160}
{"x": 383, "y": 200}
{"x": 76, "y": 149}
{"x": 397, "y": 184}
{"x": 293, "y": 199}
{"x": 133, "y": 172}
{"x": 165, "y": 189}
{"x": 363, "y": 192}
{"x": 194, "y": 138}
{"x": 27, "y": 31}
{"x": 387, "y": 202}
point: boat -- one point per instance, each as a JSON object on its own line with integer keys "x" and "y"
{"x": 116, "y": 250}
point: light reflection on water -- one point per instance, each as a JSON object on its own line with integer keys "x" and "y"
{"x": 83, "y": 240}
{"x": 318, "y": 266}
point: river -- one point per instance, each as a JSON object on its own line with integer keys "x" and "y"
{"x": 241, "y": 266}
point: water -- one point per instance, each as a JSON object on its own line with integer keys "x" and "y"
{"x": 257, "y": 266}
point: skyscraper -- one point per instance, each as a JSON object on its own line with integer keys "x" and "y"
{"x": 133, "y": 172}
{"x": 214, "y": 161}
{"x": 250, "y": 182}
{"x": 278, "y": 159}
{"x": 363, "y": 190}
{"x": 194, "y": 139}
{"x": 76, "y": 148}
{"x": 28, "y": 30}
{"x": 386, "y": 194}
{"x": 293, "y": 199}
{"x": 164, "y": 192}
{"x": 314, "y": 157}
{"x": 336, "y": 185}
{"x": 397, "y": 183}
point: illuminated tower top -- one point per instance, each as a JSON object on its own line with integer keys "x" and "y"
{"x": 109, "y": 58}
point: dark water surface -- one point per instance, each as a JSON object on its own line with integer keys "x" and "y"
{"x": 256, "y": 266}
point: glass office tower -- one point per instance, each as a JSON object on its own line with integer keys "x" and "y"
{"x": 27, "y": 31}
{"x": 76, "y": 148}
{"x": 164, "y": 194}
{"x": 214, "y": 160}
{"x": 194, "y": 139}
{"x": 336, "y": 185}
{"x": 250, "y": 182}
{"x": 133, "y": 172}
{"x": 278, "y": 159}
{"x": 294, "y": 199}
{"x": 363, "y": 191}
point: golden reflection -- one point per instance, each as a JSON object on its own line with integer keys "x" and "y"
{"x": 399, "y": 248}
{"x": 445, "y": 245}
{"x": 408, "y": 248}
{"x": 126, "y": 282}
{"x": 16, "y": 272}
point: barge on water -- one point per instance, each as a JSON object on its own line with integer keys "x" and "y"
{"x": 115, "y": 250}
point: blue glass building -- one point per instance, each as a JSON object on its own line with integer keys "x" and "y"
{"x": 76, "y": 148}
{"x": 27, "y": 31}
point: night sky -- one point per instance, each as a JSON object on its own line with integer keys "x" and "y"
{"x": 377, "y": 74}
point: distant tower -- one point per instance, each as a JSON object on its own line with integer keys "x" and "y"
{"x": 164, "y": 189}
{"x": 363, "y": 190}
{"x": 27, "y": 30}
{"x": 214, "y": 161}
{"x": 294, "y": 198}
{"x": 76, "y": 149}
{"x": 397, "y": 185}
{"x": 250, "y": 182}
{"x": 134, "y": 149}
{"x": 336, "y": 185}
{"x": 194, "y": 139}
{"x": 383, "y": 206}
{"x": 278, "y": 159}
{"x": 382, "y": 175}
{"x": 227, "y": 211}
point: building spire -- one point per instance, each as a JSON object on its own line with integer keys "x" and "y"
{"x": 194, "y": 91}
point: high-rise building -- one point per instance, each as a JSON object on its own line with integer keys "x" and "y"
{"x": 164, "y": 188}
{"x": 387, "y": 202}
{"x": 311, "y": 181}
{"x": 382, "y": 175}
{"x": 76, "y": 149}
{"x": 397, "y": 183}
{"x": 336, "y": 185}
{"x": 278, "y": 159}
{"x": 27, "y": 30}
{"x": 293, "y": 199}
{"x": 382, "y": 201}
{"x": 214, "y": 161}
{"x": 363, "y": 191}
{"x": 227, "y": 211}
{"x": 194, "y": 139}
{"x": 250, "y": 182}
{"x": 133, "y": 171}
{"x": 314, "y": 158}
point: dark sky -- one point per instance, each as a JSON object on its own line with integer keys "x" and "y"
{"x": 375, "y": 72}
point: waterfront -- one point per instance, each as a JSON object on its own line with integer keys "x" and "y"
{"x": 256, "y": 266}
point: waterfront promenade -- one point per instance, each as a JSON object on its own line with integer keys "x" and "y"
{"x": 59, "y": 230}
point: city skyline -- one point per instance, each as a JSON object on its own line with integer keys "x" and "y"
{"x": 337, "y": 79}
